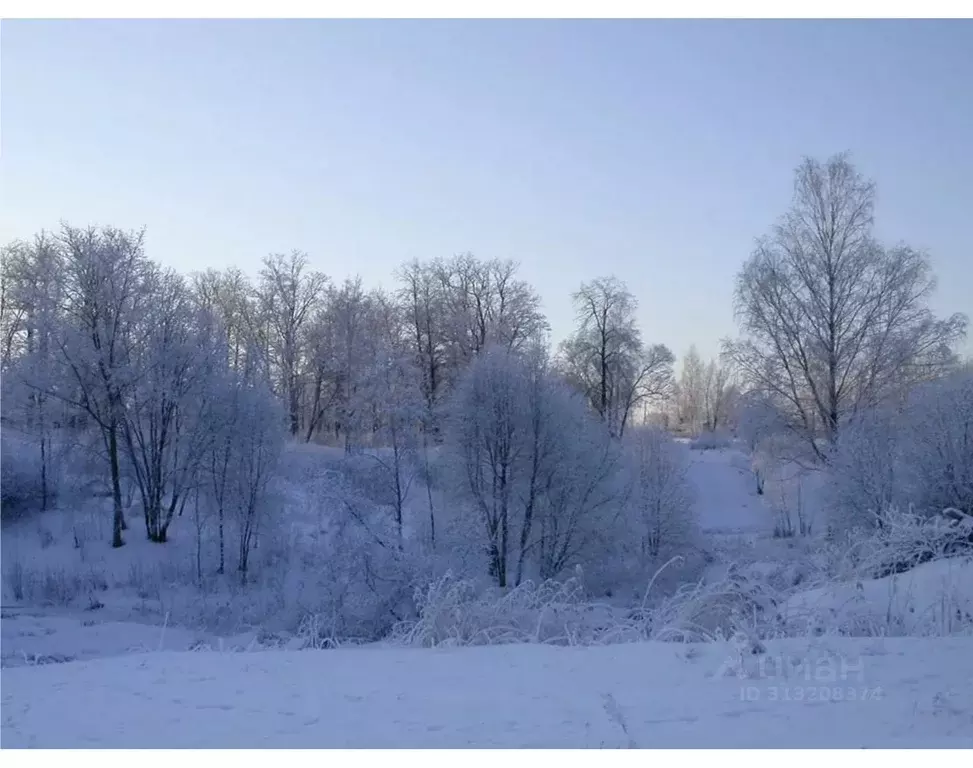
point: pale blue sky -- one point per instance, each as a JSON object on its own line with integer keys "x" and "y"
{"x": 656, "y": 151}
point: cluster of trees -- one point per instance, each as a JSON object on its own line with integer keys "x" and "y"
{"x": 844, "y": 365}
{"x": 551, "y": 481}
{"x": 705, "y": 397}
{"x": 100, "y": 341}
{"x": 194, "y": 384}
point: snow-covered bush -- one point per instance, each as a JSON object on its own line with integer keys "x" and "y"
{"x": 938, "y": 449}
{"x": 240, "y": 461}
{"x": 917, "y": 455}
{"x": 903, "y": 541}
{"x": 458, "y": 612}
{"x": 933, "y": 599}
{"x": 762, "y": 431}
{"x": 540, "y": 473}
{"x": 866, "y": 470}
{"x": 758, "y": 419}
{"x": 661, "y": 500}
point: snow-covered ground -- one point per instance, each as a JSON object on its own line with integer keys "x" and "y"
{"x": 932, "y": 599}
{"x": 726, "y": 494}
{"x": 87, "y": 676}
{"x": 821, "y": 693}
{"x": 28, "y": 638}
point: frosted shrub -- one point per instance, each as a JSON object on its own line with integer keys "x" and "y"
{"x": 452, "y": 611}
{"x": 701, "y": 611}
{"x": 661, "y": 499}
{"x": 51, "y": 586}
{"x": 905, "y": 540}
{"x": 917, "y": 455}
{"x": 318, "y": 632}
{"x": 867, "y": 470}
{"x": 938, "y": 444}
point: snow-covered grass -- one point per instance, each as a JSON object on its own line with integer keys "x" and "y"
{"x": 30, "y": 639}
{"x": 823, "y": 692}
{"x": 933, "y": 599}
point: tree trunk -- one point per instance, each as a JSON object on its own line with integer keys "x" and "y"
{"x": 199, "y": 542}
{"x": 43, "y": 467}
{"x": 428, "y": 480}
{"x": 222, "y": 543}
{"x": 118, "y": 521}
{"x": 399, "y": 501}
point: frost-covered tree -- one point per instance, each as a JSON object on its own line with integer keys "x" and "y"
{"x": 350, "y": 310}
{"x": 30, "y": 310}
{"x": 457, "y": 308}
{"x": 392, "y": 383}
{"x": 242, "y": 459}
{"x": 582, "y": 490}
{"x": 866, "y": 469}
{"x": 661, "y": 497}
{"x": 833, "y": 321}
{"x": 486, "y": 305}
{"x": 421, "y": 297}
{"x": 718, "y": 395}
{"x": 168, "y": 422}
{"x": 915, "y": 456}
{"x": 606, "y": 359}
{"x": 288, "y": 294}
{"x": 230, "y": 298}
{"x": 691, "y": 392}
{"x": 536, "y": 469}
{"x": 939, "y": 444}
{"x": 105, "y": 278}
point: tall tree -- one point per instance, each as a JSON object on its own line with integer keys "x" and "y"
{"x": 834, "y": 321}
{"x": 692, "y": 391}
{"x": 105, "y": 278}
{"x": 231, "y": 299}
{"x": 422, "y": 300}
{"x": 30, "y": 306}
{"x": 288, "y": 294}
{"x": 606, "y": 359}
{"x": 169, "y": 424}
{"x": 718, "y": 394}
{"x": 539, "y": 471}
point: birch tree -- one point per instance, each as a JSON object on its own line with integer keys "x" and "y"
{"x": 834, "y": 321}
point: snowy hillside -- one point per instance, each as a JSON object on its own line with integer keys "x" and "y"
{"x": 822, "y": 693}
